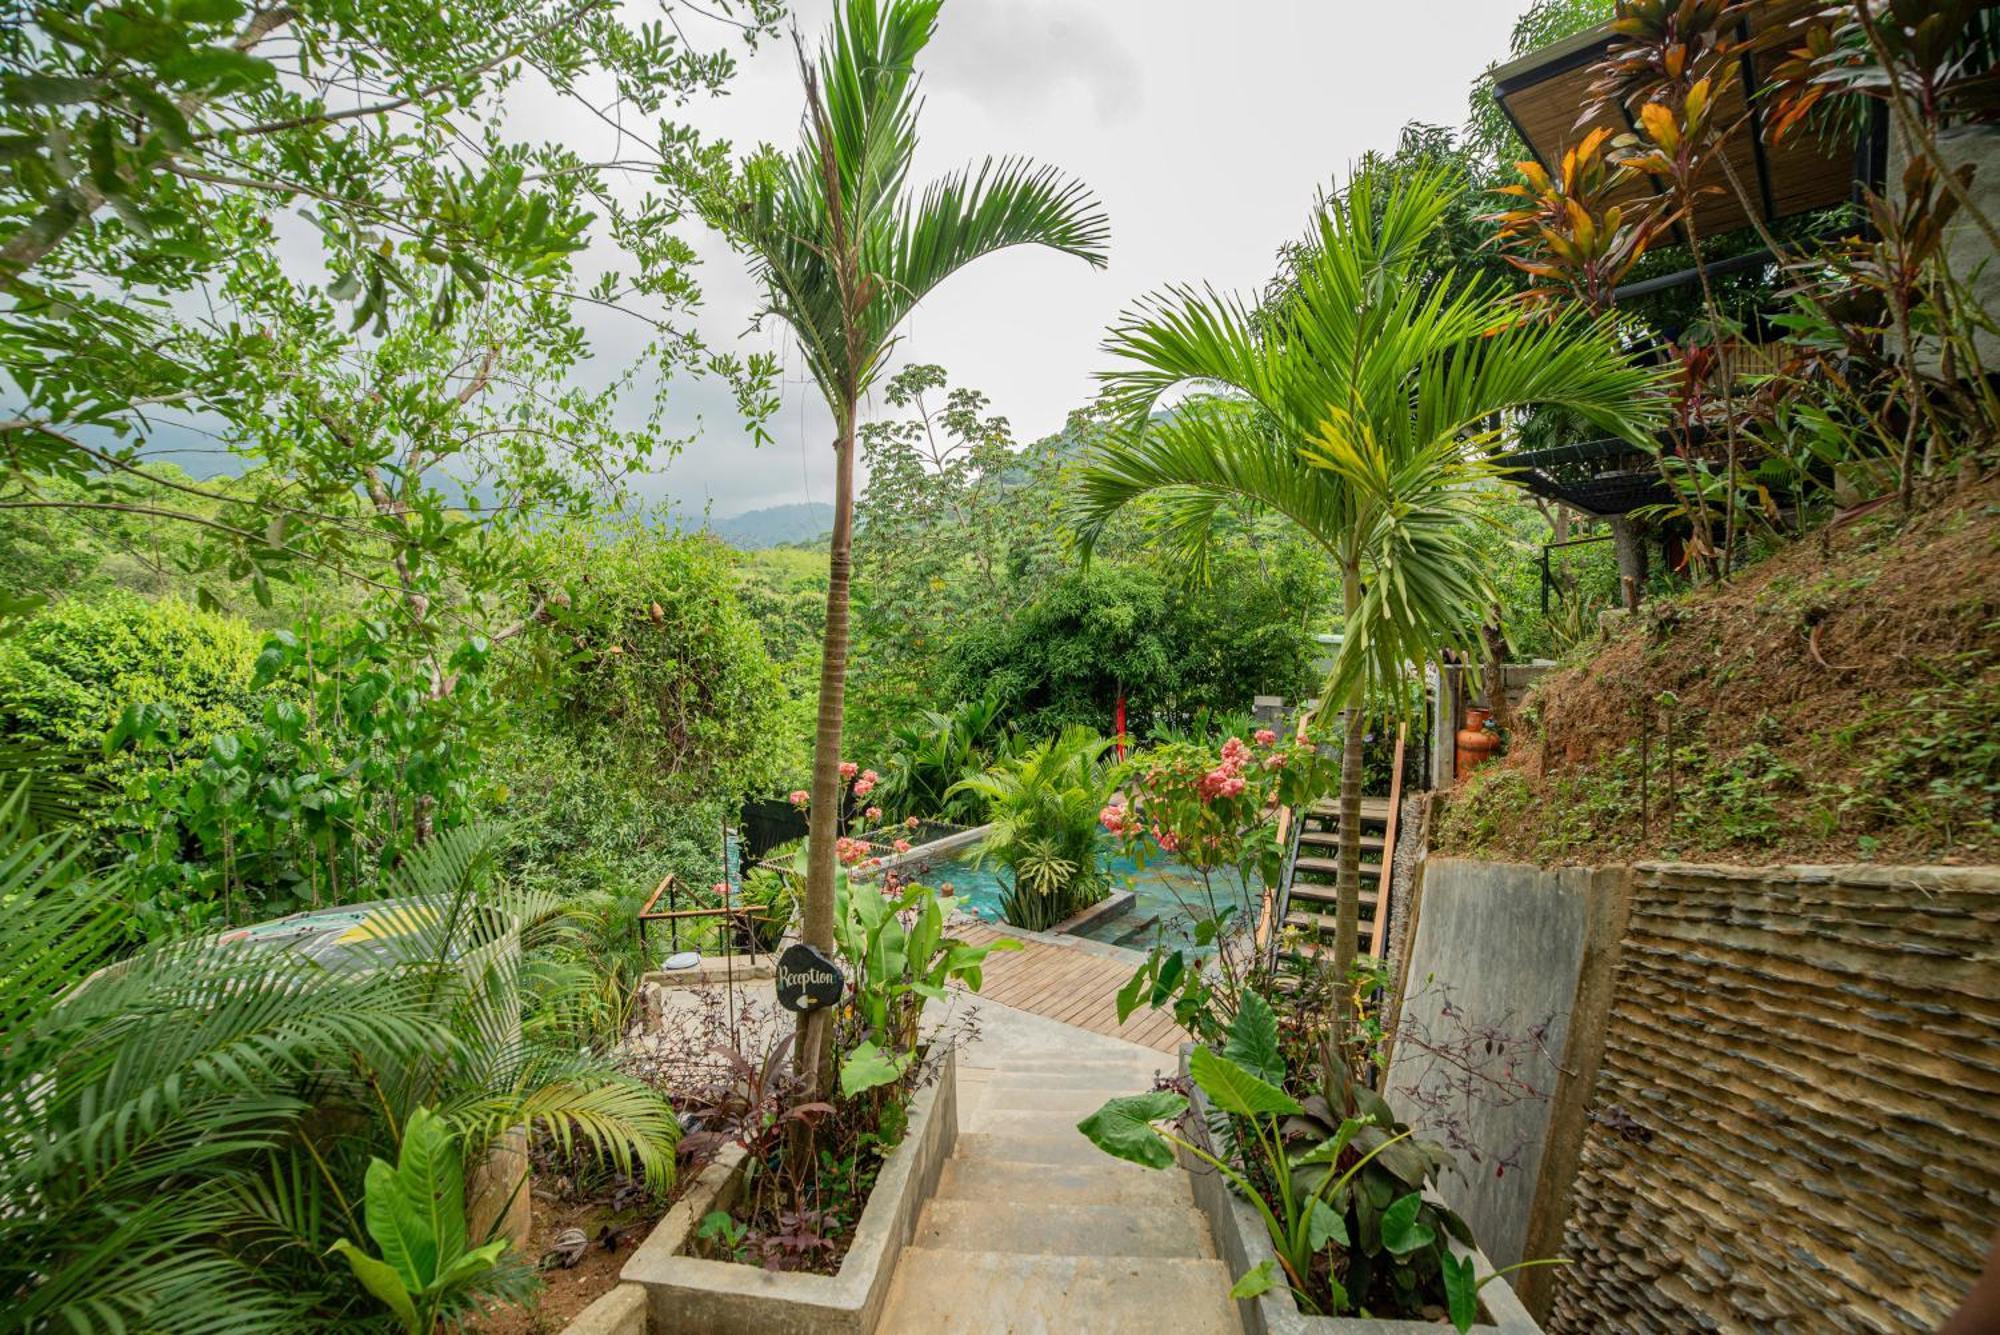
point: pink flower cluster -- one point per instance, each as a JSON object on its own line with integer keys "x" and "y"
{"x": 874, "y": 814}
{"x": 866, "y": 783}
{"x": 800, "y": 797}
{"x": 911, "y": 823}
{"x": 902, "y": 845}
{"x": 1226, "y": 779}
{"x": 1264, "y": 737}
{"x": 1114, "y": 816}
{"x": 848, "y": 769}
{"x": 850, "y": 851}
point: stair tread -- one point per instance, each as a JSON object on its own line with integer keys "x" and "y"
{"x": 939, "y": 1292}
{"x": 1326, "y": 894}
{"x": 1331, "y": 866}
{"x": 1114, "y": 1182}
{"x": 1070, "y": 1149}
{"x": 1372, "y": 808}
{"x": 1319, "y": 922}
{"x": 1331, "y": 839}
{"x": 1043, "y": 1228}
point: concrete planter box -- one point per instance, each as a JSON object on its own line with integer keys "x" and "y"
{"x": 1114, "y": 905}
{"x": 619, "y": 1312}
{"x": 692, "y": 1296}
{"x": 1243, "y": 1243}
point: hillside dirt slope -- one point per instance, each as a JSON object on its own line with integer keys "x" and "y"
{"x": 1839, "y": 701}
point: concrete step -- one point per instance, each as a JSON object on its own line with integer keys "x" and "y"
{"x": 1048, "y": 1147}
{"x": 1063, "y": 1230}
{"x": 1103, "y": 1075}
{"x": 1075, "y": 1102}
{"x": 1029, "y": 1122}
{"x": 999, "y": 1293}
{"x": 999, "y": 1183}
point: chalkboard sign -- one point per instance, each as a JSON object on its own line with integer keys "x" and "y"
{"x": 807, "y": 980}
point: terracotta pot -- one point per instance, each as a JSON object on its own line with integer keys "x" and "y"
{"x": 1475, "y": 745}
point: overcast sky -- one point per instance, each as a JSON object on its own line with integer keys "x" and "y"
{"x": 1205, "y": 128}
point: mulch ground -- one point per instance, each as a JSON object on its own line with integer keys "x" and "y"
{"x": 1872, "y": 638}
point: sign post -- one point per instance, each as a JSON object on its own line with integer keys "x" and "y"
{"x": 807, "y": 980}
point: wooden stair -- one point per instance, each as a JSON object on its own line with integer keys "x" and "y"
{"x": 1311, "y": 899}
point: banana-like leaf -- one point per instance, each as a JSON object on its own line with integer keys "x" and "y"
{"x": 1123, "y": 1127}
{"x": 1235, "y": 1090}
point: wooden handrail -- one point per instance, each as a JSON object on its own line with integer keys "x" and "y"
{"x": 1389, "y": 831}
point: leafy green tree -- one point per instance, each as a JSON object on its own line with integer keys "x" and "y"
{"x": 844, "y": 251}
{"x": 1357, "y": 408}
{"x": 645, "y": 647}
{"x": 163, "y": 154}
{"x": 1133, "y": 631}
{"x": 68, "y": 672}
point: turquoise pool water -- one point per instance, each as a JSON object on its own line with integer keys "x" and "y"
{"x": 1168, "y": 896}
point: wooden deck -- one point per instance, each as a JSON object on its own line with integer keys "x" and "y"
{"x": 1068, "y": 984}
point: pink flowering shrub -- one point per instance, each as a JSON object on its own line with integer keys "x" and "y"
{"x": 800, "y": 798}
{"x": 1215, "y": 807}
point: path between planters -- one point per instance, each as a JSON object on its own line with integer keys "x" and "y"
{"x": 1034, "y": 1230}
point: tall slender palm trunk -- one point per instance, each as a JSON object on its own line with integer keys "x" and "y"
{"x": 813, "y": 1054}
{"x": 1347, "y": 884}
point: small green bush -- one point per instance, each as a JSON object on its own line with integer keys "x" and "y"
{"x": 70, "y": 671}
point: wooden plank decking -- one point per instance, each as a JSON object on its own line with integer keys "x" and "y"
{"x": 1068, "y": 984}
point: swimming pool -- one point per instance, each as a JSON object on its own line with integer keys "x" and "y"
{"x": 1168, "y": 896}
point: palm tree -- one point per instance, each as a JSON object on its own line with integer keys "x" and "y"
{"x": 845, "y": 249}
{"x": 1357, "y": 405}
{"x": 1043, "y": 805}
{"x": 184, "y": 1134}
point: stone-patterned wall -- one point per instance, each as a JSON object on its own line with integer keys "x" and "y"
{"x": 1797, "y": 1121}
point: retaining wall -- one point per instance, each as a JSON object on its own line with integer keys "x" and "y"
{"x": 1797, "y": 1121}
{"x": 1524, "y": 951}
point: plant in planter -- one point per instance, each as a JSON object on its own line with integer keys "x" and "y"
{"x": 1044, "y": 805}
{"x": 802, "y": 1196}
{"x": 1338, "y": 1183}
{"x": 1216, "y": 809}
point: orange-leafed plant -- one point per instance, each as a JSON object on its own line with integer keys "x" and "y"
{"x": 1567, "y": 235}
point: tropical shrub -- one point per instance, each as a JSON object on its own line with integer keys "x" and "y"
{"x": 68, "y": 673}
{"x": 579, "y": 823}
{"x": 647, "y": 656}
{"x": 1216, "y": 809}
{"x": 899, "y": 957}
{"x": 1337, "y": 1180}
{"x": 358, "y": 753}
{"x": 428, "y": 1269}
{"x": 1044, "y": 805}
{"x": 927, "y": 758}
{"x": 203, "y": 1113}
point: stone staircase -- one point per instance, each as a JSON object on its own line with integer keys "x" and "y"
{"x": 1034, "y": 1230}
